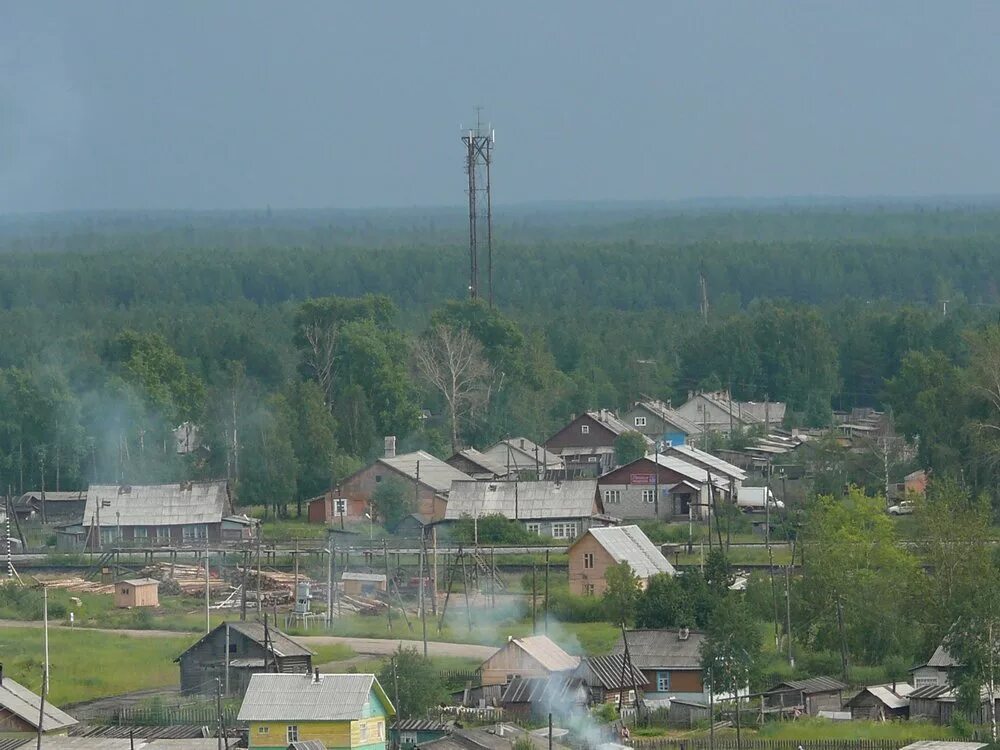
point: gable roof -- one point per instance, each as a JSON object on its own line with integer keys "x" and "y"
{"x": 678, "y": 465}
{"x": 530, "y": 499}
{"x": 670, "y": 415}
{"x": 484, "y": 462}
{"x": 706, "y": 460}
{"x": 610, "y": 420}
{"x": 25, "y": 705}
{"x": 547, "y": 691}
{"x": 281, "y": 644}
{"x": 663, "y": 649}
{"x": 809, "y": 686}
{"x": 607, "y": 672}
{"x": 941, "y": 659}
{"x": 544, "y": 650}
{"x": 629, "y": 544}
{"x": 521, "y": 453}
{"x": 891, "y": 695}
{"x": 294, "y": 697}
{"x": 156, "y": 504}
{"x": 434, "y": 472}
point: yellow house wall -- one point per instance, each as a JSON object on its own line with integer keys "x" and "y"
{"x": 333, "y": 734}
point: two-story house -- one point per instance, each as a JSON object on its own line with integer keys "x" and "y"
{"x": 592, "y": 554}
{"x": 717, "y": 411}
{"x": 343, "y": 711}
{"x": 587, "y": 443}
{"x": 658, "y": 420}
{"x": 662, "y": 486}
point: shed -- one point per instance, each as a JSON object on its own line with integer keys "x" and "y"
{"x": 477, "y": 465}
{"x": 527, "y": 697}
{"x": 362, "y": 584}
{"x": 20, "y": 708}
{"x": 408, "y": 733}
{"x": 809, "y": 696}
{"x": 686, "y": 712}
{"x": 137, "y": 592}
{"x": 880, "y": 702}
{"x": 606, "y": 678}
{"x": 531, "y": 656}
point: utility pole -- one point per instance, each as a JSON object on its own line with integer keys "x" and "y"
{"x": 208, "y": 621}
{"x": 331, "y": 551}
{"x": 388, "y": 584}
{"x": 45, "y": 615}
{"x": 423, "y": 602}
{"x": 479, "y": 143}
{"x": 545, "y": 613}
{"x": 533, "y": 599}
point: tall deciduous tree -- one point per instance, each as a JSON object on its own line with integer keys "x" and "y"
{"x": 622, "y": 592}
{"x": 270, "y": 470}
{"x": 453, "y": 362}
{"x": 629, "y": 446}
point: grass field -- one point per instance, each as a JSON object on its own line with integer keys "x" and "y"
{"x": 86, "y": 665}
{"x": 824, "y": 729}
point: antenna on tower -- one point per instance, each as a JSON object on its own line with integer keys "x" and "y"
{"x": 703, "y": 286}
{"x": 479, "y": 142}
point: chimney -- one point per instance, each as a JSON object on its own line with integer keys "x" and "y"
{"x": 390, "y": 446}
{"x": 682, "y": 634}
{"x": 316, "y": 675}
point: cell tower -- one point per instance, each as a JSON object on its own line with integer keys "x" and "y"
{"x": 478, "y": 158}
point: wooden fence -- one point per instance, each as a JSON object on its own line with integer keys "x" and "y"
{"x": 729, "y": 743}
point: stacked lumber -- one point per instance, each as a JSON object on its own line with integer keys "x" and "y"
{"x": 188, "y": 579}
{"x": 78, "y": 584}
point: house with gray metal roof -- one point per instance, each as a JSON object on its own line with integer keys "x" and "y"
{"x": 658, "y": 420}
{"x": 560, "y": 509}
{"x": 587, "y": 443}
{"x": 609, "y": 677}
{"x": 717, "y": 411}
{"x": 662, "y": 486}
{"x": 477, "y": 465}
{"x": 526, "y": 459}
{"x": 340, "y": 710}
{"x": 936, "y": 671}
{"x": 187, "y": 513}
{"x": 671, "y": 661}
{"x": 531, "y": 656}
{"x": 20, "y": 709}
{"x": 598, "y": 549}
{"x": 808, "y": 696}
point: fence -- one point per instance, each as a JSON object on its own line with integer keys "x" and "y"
{"x": 165, "y": 715}
{"x": 729, "y": 743}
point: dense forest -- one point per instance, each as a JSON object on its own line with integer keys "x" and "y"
{"x": 295, "y": 341}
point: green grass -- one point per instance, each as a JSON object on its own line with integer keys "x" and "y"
{"x": 331, "y": 652}
{"x": 87, "y": 665}
{"x": 824, "y": 729}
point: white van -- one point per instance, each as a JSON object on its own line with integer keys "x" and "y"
{"x": 752, "y": 500}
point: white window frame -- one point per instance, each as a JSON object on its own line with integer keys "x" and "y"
{"x": 163, "y": 532}
{"x": 292, "y": 733}
{"x": 263, "y": 729}
{"x": 340, "y": 506}
{"x": 140, "y": 532}
{"x": 585, "y": 429}
{"x": 663, "y": 676}
{"x": 640, "y": 421}
{"x": 533, "y": 528}
{"x": 649, "y": 496}
{"x": 612, "y": 496}
{"x": 566, "y": 530}
{"x": 592, "y": 459}
{"x": 588, "y": 560}
{"x": 588, "y": 589}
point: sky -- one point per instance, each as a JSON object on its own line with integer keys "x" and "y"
{"x": 135, "y": 105}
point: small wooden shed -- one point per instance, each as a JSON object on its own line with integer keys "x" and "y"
{"x": 137, "y": 592}
{"x": 363, "y": 584}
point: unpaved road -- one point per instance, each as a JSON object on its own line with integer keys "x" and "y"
{"x": 369, "y": 646}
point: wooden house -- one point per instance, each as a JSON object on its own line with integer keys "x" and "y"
{"x": 526, "y": 459}
{"x": 240, "y": 649}
{"x": 562, "y": 510}
{"x": 808, "y": 696}
{"x": 137, "y": 592}
{"x": 662, "y": 486}
{"x": 477, "y": 465}
{"x": 20, "y": 710}
{"x": 343, "y": 711}
{"x": 407, "y": 734}
{"x": 658, "y": 420}
{"x": 608, "y": 680}
{"x": 426, "y": 477}
{"x": 534, "y": 697}
{"x": 363, "y": 584}
{"x": 587, "y": 443}
{"x": 670, "y": 661}
{"x": 59, "y": 507}
{"x": 595, "y": 551}
{"x": 716, "y": 411}
{"x": 531, "y": 656}
{"x": 881, "y": 702}
{"x": 936, "y": 671}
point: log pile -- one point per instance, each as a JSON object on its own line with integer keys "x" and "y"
{"x": 78, "y": 584}
{"x": 188, "y": 580}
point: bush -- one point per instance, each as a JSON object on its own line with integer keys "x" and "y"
{"x": 492, "y": 529}
{"x": 567, "y": 607}
{"x": 605, "y": 713}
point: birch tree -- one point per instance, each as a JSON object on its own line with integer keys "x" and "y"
{"x": 452, "y": 361}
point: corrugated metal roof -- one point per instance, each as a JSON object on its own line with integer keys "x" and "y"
{"x": 486, "y": 463}
{"x": 434, "y": 472}
{"x": 307, "y": 745}
{"x": 368, "y": 577}
{"x": 811, "y": 685}
{"x": 668, "y": 414}
{"x": 292, "y": 697}
{"x": 25, "y": 704}
{"x": 706, "y": 460}
{"x": 610, "y": 420}
{"x": 521, "y": 453}
{"x": 280, "y": 643}
{"x": 419, "y": 725}
{"x": 545, "y": 691}
{"x": 891, "y": 696}
{"x": 545, "y": 651}
{"x": 609, "y": 672}
{"x": 694, "y": 473}
{"x": 931, "y": 692}
{"x": 157, "y": 504}
{"x": 629, "y": 544}
{"x": 120, "y": 731}
{"x": 943, "y": 745}
{"x": 531, "y": 499}
{"x": 663, "y": 649}
{"x": 941, "y": 658}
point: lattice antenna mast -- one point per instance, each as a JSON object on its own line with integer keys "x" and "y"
{"x": 479, "y": 142}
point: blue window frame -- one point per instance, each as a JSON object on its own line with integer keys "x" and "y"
{"x": 662, "y": 682}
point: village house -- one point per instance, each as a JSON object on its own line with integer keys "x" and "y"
{"x": 477, "y": 465}
{"x": 407, "y": 734}
{"x": 416, "y": 526}
{"x": 558, "y": 509}
{"x": 597, "y": 549}
{"x": 60, "y": 507}
{"x": 137, "y": 592}
{"x": 733, "y": 475}
{"x": 608, "y": 680}
{"x": 328, "y": 509}
{"x": 936, "y": 671}
{"x": 808, "y": 696}
{"x": 527, "y": 460}
{"x": 531, "y": 656}
{"x": 189, "y": 513}
{"x": 660, "y": 421}
{"x": 234, "y": 651}
{"x": 428, "y": 479}
{"x": 20, "y": 710}
{"x": 661, "y": 486}
{"x": 717, "y": 412}
{"x": 938, "y": 704}
{"x": 881, "y": 702}
{"x": 534, "y": 697}
{"x": 343, "y": 711}
{"x": 670, "y": 660}
{"x": 587, "y": 443}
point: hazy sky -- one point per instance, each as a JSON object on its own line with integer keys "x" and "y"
{"x": 131, "y": 105}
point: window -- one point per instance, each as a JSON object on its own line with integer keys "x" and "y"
{"x": 363, "y": 731}
{"x": 263, "y": 729}
{"x": 340, "y": 506}
{"x": 292, "y": 733}
{"x": 232, "y": 647}
{"x": 162, "y": 532}
{"x": 195, "y": 531}
{"x": 533, "y": 528}
{"x": 588, "y": 560}
{"x": 378, "y": 477}
{"x": 381, "y": 730}
{"x": 407, "y": 738}
{"x": 592, "y": 459}
{"x": 649, "y": 496}
{"x": 588, "y": 589}
{"x": 640, "y": 421}
{"x": 662, "y": 682}
{"x": 585, "y": 429}
{"x": 563, "y": 530}
{"x": 924, "y": 681}
{"x": 612, "y": 496}
{"x": 140, "y": 532}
